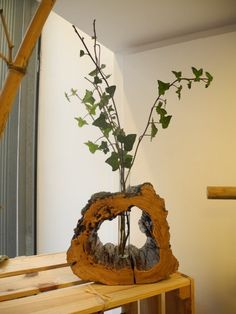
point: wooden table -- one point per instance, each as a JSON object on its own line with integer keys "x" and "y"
{"x": 45, "y": 284}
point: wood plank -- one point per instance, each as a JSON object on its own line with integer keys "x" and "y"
{"x": 84, "y": 299}
{"x": 181, "y": 300}
{"x": 34, "y": 283}
{"x": 30, "y": 264}
{"x": 221, "y": 192}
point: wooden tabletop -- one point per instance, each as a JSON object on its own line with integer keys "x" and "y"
{"x": 45, "y": 284}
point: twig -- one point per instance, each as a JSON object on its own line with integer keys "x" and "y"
{"x": 98, "y": 68}
{"x": 9, "y": 43}
{"x": 3, "y": 58}
{"x": 150, "y": 116}
{"x": 96, "y": 61}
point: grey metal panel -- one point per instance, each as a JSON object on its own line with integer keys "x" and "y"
{"x": 18, "y": 145}
{"x": 8, "y": 154}
{"x": 27, "y": 153}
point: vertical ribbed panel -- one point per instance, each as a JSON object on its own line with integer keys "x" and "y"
{"x": 17, "y": 159}
{"x": 8, "y": 210}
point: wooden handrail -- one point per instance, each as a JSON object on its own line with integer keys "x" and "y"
{"x": 221, "y": 192}
{"x": 18, "y": 68}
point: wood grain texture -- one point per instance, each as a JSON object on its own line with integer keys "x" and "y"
{"x": 92, "y": 261}
{"x": 151, "y": 305}
{"x": 25, "y": 264}
{"x": 221, "y": 192}
{"x": 34, "y": 283}
{"x": 82, "y": 299}
{"x": 181, "y": 300}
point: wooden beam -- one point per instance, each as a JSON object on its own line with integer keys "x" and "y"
{"x": 18, "y": 68}
{"x": 221, "y": 192}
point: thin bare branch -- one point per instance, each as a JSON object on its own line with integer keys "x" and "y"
{"x": 18, "y": 67}
{"x": 9, "y": 42}
{"x": 4, "y": 58}
{"x": 98, "y": 68}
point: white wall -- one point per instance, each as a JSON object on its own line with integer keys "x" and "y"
{"x": 68, "y": 174}
{"x": 197, "y": 150}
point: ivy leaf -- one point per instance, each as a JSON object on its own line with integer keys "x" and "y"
{"x": 113, "y": 161}
{"x": 94, "y": 72}
{"x": 110, "y": 109}
{"x": 165, "y": 120}
{"x": 111, "y": 90}
{"x": 92, "y": 146}
{"x": 104, "y": 147}
{"x": 209, "y": 79}
{"x": 128, "y": 161}
{"x": 97, "y": 80}
{"x": 73, "y": 92}
{"x": 153, "y": 130}
{"x": 120, "y": 135}
{"x": 178, "y": 75}
{"x": 107, "y": 131}
{"x": 197, "y": 73}
{"x": 81, "y": 53}
{"x": 129, "y": 142}
{"x": 162, "y": 87}
{"x": 104, "y": 100}
{"x": 67, "y": 96}
{"x": 88, "y": 97}
{"x": 101, "y": 122}
{"x": 91, "y": 109}
{"x": 178, "y": 91}
{"x": 81, "y": 122}
{"x": 161, "y": 111}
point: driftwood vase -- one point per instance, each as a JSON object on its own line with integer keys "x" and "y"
{"x": 91, "y": 260}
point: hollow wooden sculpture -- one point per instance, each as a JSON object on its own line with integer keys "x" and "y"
{"x": 91, "y": 260}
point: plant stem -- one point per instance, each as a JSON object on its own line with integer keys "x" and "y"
{"x": 100, "y": 71}
{"x": 124, "y": 228}
{"x": 150, "y": 116}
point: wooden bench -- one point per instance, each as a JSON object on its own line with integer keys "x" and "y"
{"x": 46, "y": 284}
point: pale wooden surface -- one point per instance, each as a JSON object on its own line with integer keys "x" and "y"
{"x": 80, "y": 299}
{"x": 26, "y": 264}
{"x": 57, "y": 290}
{"x": 34, "y": 283}
{"x": 221, "y": 192}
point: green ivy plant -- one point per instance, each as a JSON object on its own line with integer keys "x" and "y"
{"x": 101, "y": 112}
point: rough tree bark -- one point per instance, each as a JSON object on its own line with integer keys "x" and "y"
{"x": 91, "y": 260}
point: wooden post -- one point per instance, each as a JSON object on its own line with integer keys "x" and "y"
{"x": 18, "y": 68}
{"x": 151, "y": 305}
{"x": 181, "y": 300}
{"x": 221, "y": 192}
{"x": 130, "y": 308}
